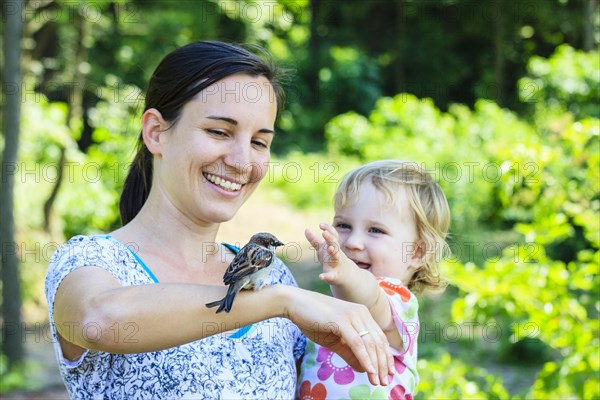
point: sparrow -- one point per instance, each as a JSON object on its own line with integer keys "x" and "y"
{"x": 249, "y": 269}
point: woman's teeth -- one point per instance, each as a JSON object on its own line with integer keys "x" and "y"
{"x": 227, "y": 185}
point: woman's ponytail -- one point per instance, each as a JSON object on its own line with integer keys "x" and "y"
{"x": 137, "y": 185}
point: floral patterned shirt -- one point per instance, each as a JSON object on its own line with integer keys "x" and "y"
{"x": 254, "y": 362}
{"x": 325, "y": 375}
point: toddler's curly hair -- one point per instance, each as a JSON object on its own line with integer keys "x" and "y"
{"x": 429, "y": 206}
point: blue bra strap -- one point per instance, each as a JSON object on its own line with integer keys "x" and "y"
{"x": 138, "y": 259}
{"x": 145, "y": 267}
{"x": 231, "y": 247}
{"x": 240, "y": 332}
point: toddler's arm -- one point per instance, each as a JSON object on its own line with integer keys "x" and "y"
{"x": 351, "y": 283}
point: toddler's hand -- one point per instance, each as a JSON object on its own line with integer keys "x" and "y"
{"x": 328, "y": 252}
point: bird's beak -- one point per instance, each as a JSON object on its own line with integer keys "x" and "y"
{"x": 278, "y": 243}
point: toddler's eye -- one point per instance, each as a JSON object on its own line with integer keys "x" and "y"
{"x": 341, "y": 225}
{"x": 375, "y": 230}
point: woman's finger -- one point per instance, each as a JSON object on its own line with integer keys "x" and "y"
{"x": 371, "y": 347}
{"x": 364, "y": 356}
{"x": 378, "y": 347}
{"x": 383, "y": 357}
{"x": 341, "y": 327}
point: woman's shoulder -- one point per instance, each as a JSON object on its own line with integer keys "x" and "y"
{"x": 83, "y": 243}
{"x": 101, "y": 251}
{"x": 94, "y": 249}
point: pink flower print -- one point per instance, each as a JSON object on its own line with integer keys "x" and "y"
{"x": 399, "y": 393}
{"x": 333, "y": 364}
{"x": 399, "y": 364}
{"x": 411, "y": 349}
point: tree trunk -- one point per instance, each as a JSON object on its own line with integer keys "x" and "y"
{"x": 50, "y": 201}
{"x": 589, "y": 10}
{"x": 314, "y": 49}
{"x": 499, "y": 58}
{"x": 12, "y": 344}
{"x": 398, "y": 77}
{"x": 75, "y": 114}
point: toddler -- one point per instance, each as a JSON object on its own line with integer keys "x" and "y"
{"x": 391, "y": 221}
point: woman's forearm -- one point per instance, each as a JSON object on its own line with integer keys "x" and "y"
{"x": 174, "y": 314}
{"x": 153, "y": 317}
{"x": 91, "y": 308}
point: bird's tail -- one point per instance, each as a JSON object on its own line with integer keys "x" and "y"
{"x": 224, "y": 304}
{"x": 215, "y": 303}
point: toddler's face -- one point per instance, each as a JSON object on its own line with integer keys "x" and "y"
{"x": 378, "y": 236}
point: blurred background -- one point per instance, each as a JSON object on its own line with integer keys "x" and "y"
{"x": 497, "y": 99}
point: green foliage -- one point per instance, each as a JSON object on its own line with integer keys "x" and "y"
{"x": 541, "y": 299}
{"x": 17, "y": 377}
{"x": 447, "y": 378}
{"x": 541, "y": 183}
{"x": 528, "y": 188}
{"x": 347, "y": 80}
{"x": 10, "y": 378}
{"x": 467, "y": 151}
{"x": 351, "y": 81}
{"x": 547, "y": 287}
{"x": 568, "y": 81}
{"x": 308, "y": 181}
{"x": 88, "y": 192}
{"x": 44, "y": 132}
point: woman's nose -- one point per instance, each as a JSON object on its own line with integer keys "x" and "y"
{"x": 237, "y": 156}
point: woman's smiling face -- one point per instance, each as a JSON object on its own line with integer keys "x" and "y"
{"x": 215, "y": 155}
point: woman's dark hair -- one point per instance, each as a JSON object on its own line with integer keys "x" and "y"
{"x": 180, "y": 76}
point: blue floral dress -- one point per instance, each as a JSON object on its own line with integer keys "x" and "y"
{"x": 254, "y": 362}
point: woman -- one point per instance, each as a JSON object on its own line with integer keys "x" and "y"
{"x": 127, "y": 310}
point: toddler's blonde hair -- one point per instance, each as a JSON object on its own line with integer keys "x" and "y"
{"x": 429, "y": 207}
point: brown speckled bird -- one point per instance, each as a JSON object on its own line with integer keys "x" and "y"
{"x": 249, "y": 269}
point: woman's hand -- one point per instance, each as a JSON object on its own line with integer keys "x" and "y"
{"x": 346, "y": 328}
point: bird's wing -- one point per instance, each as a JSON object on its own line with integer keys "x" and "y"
{"x": 250, "y": 259}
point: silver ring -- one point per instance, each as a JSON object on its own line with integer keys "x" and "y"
{"x": 363, "y": 333}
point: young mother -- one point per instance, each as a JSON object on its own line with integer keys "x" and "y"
{"x": 127, "y": 310}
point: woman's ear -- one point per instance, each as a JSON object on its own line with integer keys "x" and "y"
{"x": 153, "y": 130}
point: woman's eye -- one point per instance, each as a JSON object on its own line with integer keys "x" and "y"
{"x": 260, "y": 143}
{"x": 216, "y": 132}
